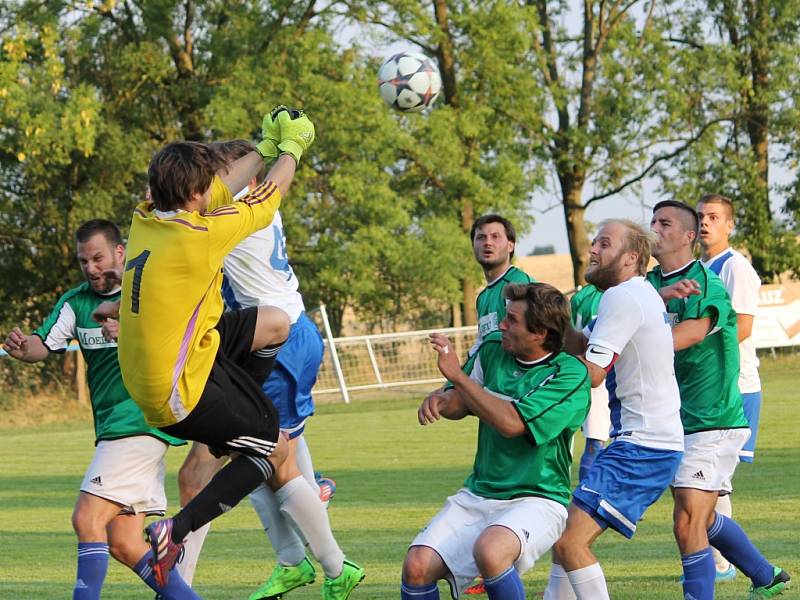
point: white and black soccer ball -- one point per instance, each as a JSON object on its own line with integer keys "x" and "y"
{"x": 409, "y": 82}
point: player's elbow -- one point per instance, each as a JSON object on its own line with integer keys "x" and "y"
{"x": 512, "y": 427}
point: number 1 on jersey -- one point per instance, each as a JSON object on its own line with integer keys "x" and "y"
{"x": 137, "y": 264}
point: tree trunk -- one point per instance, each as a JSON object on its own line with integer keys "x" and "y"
{"x": 467, "y": 285}
{"x": 757, "y": 101}
{"x": 575, "y": 215}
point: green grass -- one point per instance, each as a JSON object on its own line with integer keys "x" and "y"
{"x": 392, "y": 476}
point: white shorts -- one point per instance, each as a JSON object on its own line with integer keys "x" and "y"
{"x": 597, "y": 425}
{"x": 709, "y": 459}
{"x": 130, "y": 472}
{"x": 452, "y": 533}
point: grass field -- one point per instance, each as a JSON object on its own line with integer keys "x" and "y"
{"x": 393, "y": 475}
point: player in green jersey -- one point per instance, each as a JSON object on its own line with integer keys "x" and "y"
{"x": 493, "y": 242}
{"x": 583, "y": 310}
{"x": 529, "y": 398}
{"x": 125, "y": 481}
{"x": 715, "y": 429}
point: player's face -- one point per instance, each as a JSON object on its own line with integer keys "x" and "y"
{"x": 715, "y": 224}
{"x": 606, "y": 257}
{"x": 492, "y": 246}
{"x": 516, "y": 339}
{"x": 670, "y": 233}
{"x": 96, "y": 256}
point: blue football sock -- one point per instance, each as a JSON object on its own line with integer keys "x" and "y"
{"x": 506, "y": 586}
{"x": 176, "y": 588}
{"x": 92, "y": 567}
{"x": 729, "y": 538}
{"x": 698, "y": 575}
{"x": 590, "y": 452}
{"x": 429, "y": 591}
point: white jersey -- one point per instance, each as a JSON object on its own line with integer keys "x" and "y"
{"x": 642, "y": 391}
{"x": 742, "y": 283}
{"x": 258, "y": 273}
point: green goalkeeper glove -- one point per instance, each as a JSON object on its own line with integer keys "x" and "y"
{"x": 270, "y": 135}
{"x": 297, "y": 131}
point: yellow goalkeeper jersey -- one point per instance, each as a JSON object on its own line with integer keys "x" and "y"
{"x": 171, "y": 300}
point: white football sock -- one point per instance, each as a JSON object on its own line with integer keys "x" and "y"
{"x": 558, "y": 586}
{"x": 589, "y": 583}
{"x": 303, "y": 459}
{"x": 303, "y": 506}
{"x": 192, "y": 546}
{"x": 724, "y": 507}
{"x": 288, "y": 546}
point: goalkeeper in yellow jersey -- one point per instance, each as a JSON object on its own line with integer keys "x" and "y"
{"x": 194, "y": 371}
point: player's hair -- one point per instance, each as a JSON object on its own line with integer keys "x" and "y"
{"x": 638, "y": 240}
{"x": 687, "y": 211}
{"x": 178, "y": 171}
{"x": 547, "y": 310}
{"x": 231, "y": 150}
{"x": 727, "y": 203}
{"x": 511, "y": 233}
{"x": 91, "y": 228}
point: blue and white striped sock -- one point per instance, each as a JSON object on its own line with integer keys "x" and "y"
{"x": 176, "y": 588}
{"x": 92, "y": 568}
{"x": 505, "y": 586}
{"x": 429, "y": 591}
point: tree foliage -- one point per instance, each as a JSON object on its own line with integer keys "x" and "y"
{"x": 599, "y": 97}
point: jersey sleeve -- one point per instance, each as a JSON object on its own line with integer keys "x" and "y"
{"x": 560, "y": 401}
{"x": 220, "y": 194}
{"x": 713, "y": 302}
{"x": 232, "y": 223}
{"x": 59, "y": 327}
{"x": 618, "y": 318}
{"x": 743, "y": 285}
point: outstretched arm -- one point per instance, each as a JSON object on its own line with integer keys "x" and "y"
{"x": 27, "y": 348}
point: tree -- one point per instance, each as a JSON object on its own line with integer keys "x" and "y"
{"x": 469, "y": 158}
{"x": 752, "y": 54}
{"x": 621, "y": 101}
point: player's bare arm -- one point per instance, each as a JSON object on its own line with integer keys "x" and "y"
{"x": 27, "y": 348}
{"x": 690, "y": 332}
{"x": 498, "y": 413}
{"x": 106, "y": 310}
{"x": 574, "y": 341}
{"x": 596, "y": 374}
{"x": 679, "y": 290}
{"x": 744, "y": 326}
{"x": 241, "y": 171}
{"x": 441, "y": 404}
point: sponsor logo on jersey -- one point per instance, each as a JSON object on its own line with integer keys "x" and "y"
{"x": 92, "y": 339}
{"x": 487, "y": 324}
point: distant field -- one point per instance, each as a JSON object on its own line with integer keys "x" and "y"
{"x": 393, "y": 475}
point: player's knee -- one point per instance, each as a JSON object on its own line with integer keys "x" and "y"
{"x": 87, "y": 525}
{"x": 279, "y": 454}
{"x": 488, "y": 558}
{"x": 126, "y": 551}
{"x": 272, "y": 327}
{"x": 416, "y": 566}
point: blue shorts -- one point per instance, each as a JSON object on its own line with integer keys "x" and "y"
{"x": 295, "y": 373}
{"x": 623, "y": 482}
{"x": 751, "y": 403}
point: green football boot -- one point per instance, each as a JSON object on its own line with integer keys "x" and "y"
{"x": 285, "y": 579}
{"x": 342, "y": 586}
{"x": 780, "y": 582}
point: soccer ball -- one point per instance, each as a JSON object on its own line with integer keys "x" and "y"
{"x": 409, "y": 82}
